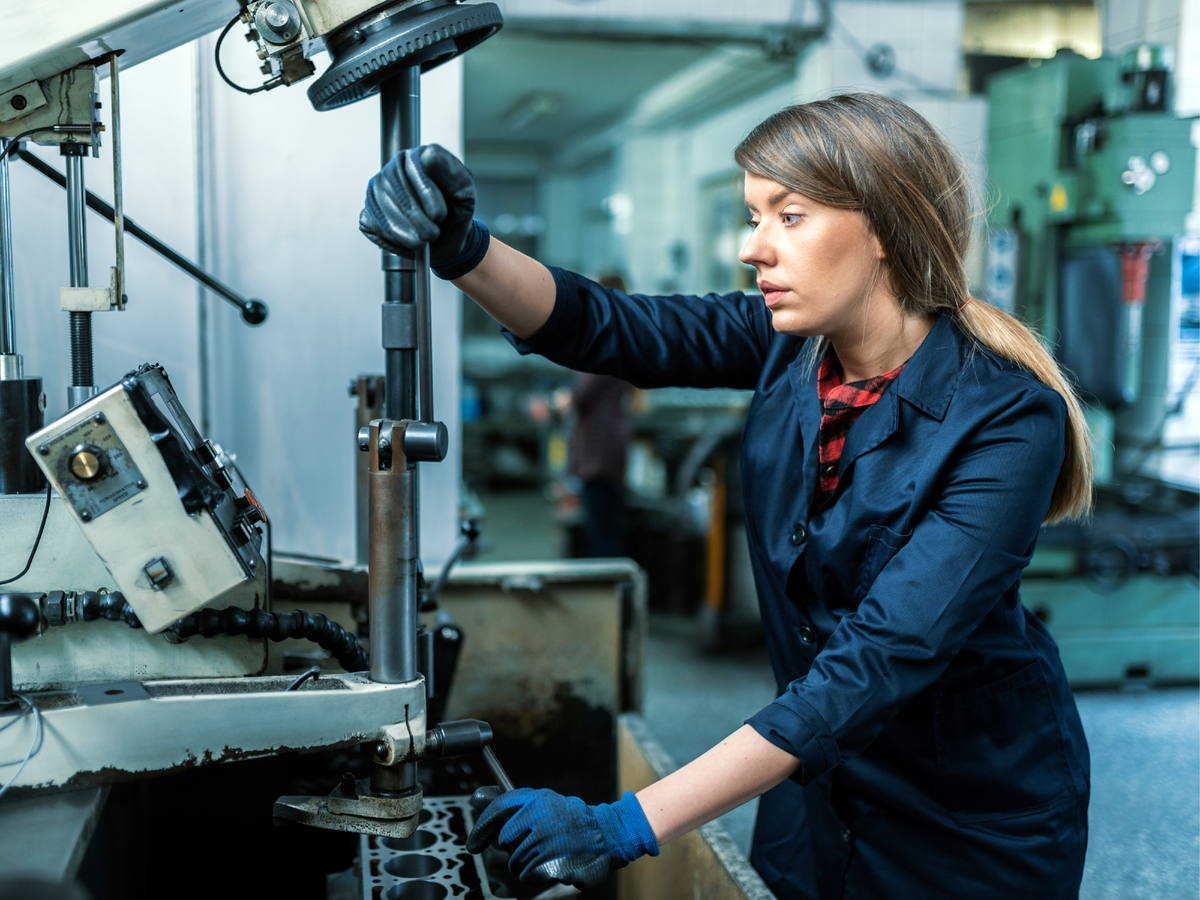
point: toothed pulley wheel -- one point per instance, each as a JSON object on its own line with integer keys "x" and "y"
{"x": 369, "y": 52}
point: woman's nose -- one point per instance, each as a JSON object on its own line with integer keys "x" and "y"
{"x": 754, "y": 249}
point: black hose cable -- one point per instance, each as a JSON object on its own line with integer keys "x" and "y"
{"x": 14, "y": 143}
{"x": 36, "y": 541}
{"x": 254, "y": 623}
{"x": 257, "y": 623}
{"x": 111, "y": 606}
{"x": 221, "y": 71}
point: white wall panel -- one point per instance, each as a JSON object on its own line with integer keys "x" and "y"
{"x": 287, "y": 184}
{"x": 289, "y": 187}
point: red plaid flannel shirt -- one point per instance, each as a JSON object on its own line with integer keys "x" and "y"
{"x": 841, "y": 405}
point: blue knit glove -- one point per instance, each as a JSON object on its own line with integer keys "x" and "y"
{"x": 557, "y": 838}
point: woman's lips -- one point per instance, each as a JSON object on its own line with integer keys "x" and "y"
{"x": 772, "y": 293}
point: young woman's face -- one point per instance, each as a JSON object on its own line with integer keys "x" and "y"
{"x": 817, "y": 265}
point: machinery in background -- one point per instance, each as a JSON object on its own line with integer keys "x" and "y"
{"x": 1095, "y": 176}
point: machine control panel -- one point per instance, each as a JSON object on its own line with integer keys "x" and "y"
{"x": 93, "y": 470}
{"x": 166, "y": 510}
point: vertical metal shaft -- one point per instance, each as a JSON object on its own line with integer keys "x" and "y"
{"x": 76, "y": 223}
{"x": 400, "y": 106}
{"x": 82, "y": 376}
{"x": 200, "y": 113}
{"x": 394, "y": 604}
{"x": 392, "y": 577}
{"x": 424, "y": 337}
{"x": 118, "y": 186}
{"x": 8, "y": 338}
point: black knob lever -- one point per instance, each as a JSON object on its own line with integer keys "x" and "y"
{"x": 19, "y": 619}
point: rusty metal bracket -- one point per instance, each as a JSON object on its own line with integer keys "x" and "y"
{"x": 355, "y": 809}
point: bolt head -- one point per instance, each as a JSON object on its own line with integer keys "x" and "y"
{"x": 98, "y": 418}
{"x": 86, "y": 516}
{"x": 18, "y": 101}
{"x": 277, "y": 16}
{"x": 141, "y": 483}
{"x": 44, "y": 450}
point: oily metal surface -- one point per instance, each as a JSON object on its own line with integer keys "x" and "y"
{"x": 433, "y": 862}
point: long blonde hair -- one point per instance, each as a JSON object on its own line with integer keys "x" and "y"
{"x": 874, "y": 154}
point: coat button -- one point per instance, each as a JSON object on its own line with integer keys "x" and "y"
{"x": 847, "y": 835}
{"x": 808, "y": 635}
{"x": 829, "y": 469}
{"x": 799, "y": 535}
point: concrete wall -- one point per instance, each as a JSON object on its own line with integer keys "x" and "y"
{"x": 282, "y": 188}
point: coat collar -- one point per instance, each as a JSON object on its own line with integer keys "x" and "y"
{"x": 927, "y": 382}
{"x": 931, "y": 376}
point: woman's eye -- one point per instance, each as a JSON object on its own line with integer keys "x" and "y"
{"x": 750, "y": 223}
{"x": 790, "y": 218}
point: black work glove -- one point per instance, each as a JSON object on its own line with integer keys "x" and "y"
{"x": 426, "y": 195}
{"x": 556, "y": 838}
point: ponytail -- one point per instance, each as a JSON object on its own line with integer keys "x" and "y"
{"x": 997, "y": 331}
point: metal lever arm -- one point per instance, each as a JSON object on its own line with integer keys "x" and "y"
{"x": 254, "y": 312}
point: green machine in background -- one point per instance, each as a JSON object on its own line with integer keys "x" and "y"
{"x": 1093, "y": 177}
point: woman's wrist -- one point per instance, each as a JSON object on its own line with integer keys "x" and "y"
{"x": 473, "y": 251}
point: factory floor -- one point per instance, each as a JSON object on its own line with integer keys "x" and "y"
{"x": 1144, "y": 820}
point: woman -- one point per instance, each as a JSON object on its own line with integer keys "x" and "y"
{"x": 903, "y": 447}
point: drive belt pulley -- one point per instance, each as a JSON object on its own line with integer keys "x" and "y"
{"x": 368, "y": 53}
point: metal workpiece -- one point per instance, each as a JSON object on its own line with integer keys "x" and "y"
{"x": 181, "y": 724}
{"x": 433, "y": 862}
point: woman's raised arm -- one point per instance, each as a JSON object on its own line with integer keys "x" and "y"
{"x": 426, "y": 195}
{"x": 514, "y": 289}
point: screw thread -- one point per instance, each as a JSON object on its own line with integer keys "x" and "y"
{"x": 81, "y": 350}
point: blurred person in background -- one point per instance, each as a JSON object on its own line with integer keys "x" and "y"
{"x": 597, "y": 450}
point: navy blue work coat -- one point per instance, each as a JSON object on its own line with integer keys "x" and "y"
{"x": 942, "y": 753}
